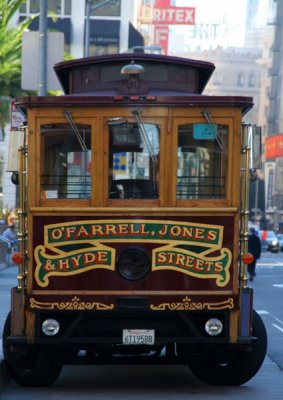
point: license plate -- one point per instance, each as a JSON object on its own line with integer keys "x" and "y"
{"x": 138, "y": 336}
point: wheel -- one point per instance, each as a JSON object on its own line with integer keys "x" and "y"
{"x": 29, "y": 365}
{"x": 235, "y": 367}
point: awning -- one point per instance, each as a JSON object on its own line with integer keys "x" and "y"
{"x": 135, "y": 37}
{"x": 104, "y": 32}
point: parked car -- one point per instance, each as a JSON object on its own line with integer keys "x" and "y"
{"x": 271, "y": 243}
{"x": 280, "y": 238}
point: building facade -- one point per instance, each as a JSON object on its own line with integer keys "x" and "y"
{"x": 253, "y": 70}
{"x": 111, "y": 28}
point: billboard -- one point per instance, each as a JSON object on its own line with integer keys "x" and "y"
{"x": 274, "y": 146}
{"x": 161, "y": 16}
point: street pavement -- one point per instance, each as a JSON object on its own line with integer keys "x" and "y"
{"x": 8, "y": 278}
{"x": 264, "y": 385}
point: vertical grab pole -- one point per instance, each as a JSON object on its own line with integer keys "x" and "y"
{"x": 22, "y": 232}
{"x": 244, "y": 214}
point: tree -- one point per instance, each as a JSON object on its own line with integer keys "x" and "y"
{"x": 10, "y": 57}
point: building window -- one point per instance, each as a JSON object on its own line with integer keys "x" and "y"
{"x": 217, "y": 79}
{"x": 23, "y": 9}
{"x": 240, "y": 79}
{"x": 58, "y": 7}
{"x": 30, "y": 7}
{"x": 251, "y": 80}
{"x": 34, "y": 6}
{"x": 98, "y": 8}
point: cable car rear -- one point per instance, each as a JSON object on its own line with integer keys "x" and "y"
{"x": 133, "y": 224}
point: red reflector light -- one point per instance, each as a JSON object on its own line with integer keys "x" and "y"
{"x": 118, "y": 98}
{"x": 150, "y": 98}
{"x": 18, "y": 258}
{"x": 248, "y": 258}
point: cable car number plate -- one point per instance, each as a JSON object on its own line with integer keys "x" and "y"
{"x": 138, "y": 336}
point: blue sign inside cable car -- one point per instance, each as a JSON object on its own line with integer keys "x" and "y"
{"x": 205, "y": 131}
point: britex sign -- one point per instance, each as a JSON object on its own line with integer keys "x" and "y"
{"x": 173, "y": 16}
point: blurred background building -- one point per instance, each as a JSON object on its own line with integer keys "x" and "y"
{"x": 243, "y": 39}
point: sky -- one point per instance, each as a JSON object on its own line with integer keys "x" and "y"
{"x": 234, "y": 10}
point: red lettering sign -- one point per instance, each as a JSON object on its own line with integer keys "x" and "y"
{"x": 173, "y": 16}
{"x": 16, "y": 117}
{"x": 274, "y": 147}
{"x": 161, "y": 34}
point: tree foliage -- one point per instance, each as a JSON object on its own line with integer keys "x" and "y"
{"x": 10, "y": 55}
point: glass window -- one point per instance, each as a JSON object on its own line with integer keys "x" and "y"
{"x": 23, "y": 8}
{"x": 54, "y": 6}
{"x": 101, "y": 8}
{"x": 34, "y": 6}
{"x": 133, "y": 160}
{"x": 240, "y": 79}
{"x": 251, "y": 81}
{"x": 66, "y": 161}
{"x": 104, "y": 49}
{"x": 68, "y": 7}
{"x": 59, "y": 7}
{"x": 217, "y": 79}
{"x": 202, "y": 161}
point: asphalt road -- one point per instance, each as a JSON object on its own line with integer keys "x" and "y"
{"x": 268, "y": 295}
{"x": 168, "y": 382}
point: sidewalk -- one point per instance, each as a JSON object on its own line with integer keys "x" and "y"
{"x": 8, "y": 279}
{"x": 3, "y": 266}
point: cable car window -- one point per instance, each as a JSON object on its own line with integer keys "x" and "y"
{"x": 202, "y": 161}
{"x": 65, "y": 161}
{"x": 133, "y": 159}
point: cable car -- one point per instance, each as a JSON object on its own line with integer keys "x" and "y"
{"x": 133, "y": 224}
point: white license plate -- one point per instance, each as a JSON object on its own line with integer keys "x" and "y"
{"x": 138, "y": 336}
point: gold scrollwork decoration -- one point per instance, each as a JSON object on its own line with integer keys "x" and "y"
{"x": 188, "y": 305}
{"x": 73, "y": 305}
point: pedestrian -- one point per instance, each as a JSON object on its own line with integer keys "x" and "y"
{"x": 254, "y": 247}
{"x": 11, "y": 236}
{"x": 264, "y": 240}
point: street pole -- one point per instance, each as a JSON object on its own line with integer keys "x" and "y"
{"x": 87, "y": 28}
{"x": 42, "y": 67}
{"x": 256, "y": 201}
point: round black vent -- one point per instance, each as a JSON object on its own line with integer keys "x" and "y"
{"x": 133, "y": 264}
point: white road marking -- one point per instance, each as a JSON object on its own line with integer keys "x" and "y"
{"x": 278, "y": 327}
{"x": 264, "y": 312}
{"x": 278, "y": 285}
{"x": 274, "y": 264}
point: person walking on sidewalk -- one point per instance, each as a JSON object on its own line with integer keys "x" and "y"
{"x": 254, "y": 247}
{"x": 11, "y": 235}
{"x": 264, "y": 240}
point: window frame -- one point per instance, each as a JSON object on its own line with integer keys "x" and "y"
{"x": 197, "y": 201}
{"x": 168, "y": 119}
{"x": 58, "y": 119}
{"x": 136, "y": 202}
